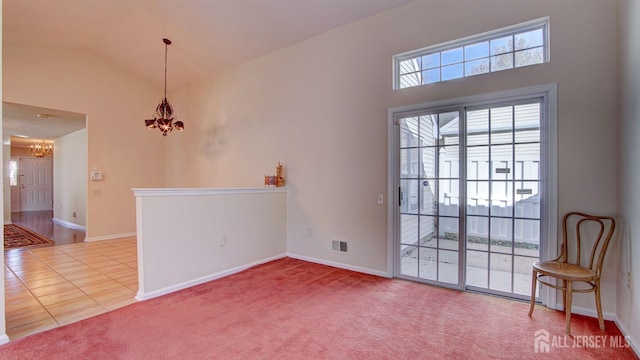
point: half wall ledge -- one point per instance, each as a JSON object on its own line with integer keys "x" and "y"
{"x": 187, "y": 236}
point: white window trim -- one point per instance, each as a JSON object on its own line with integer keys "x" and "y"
{"x": 549, "y": 152}
{"x": 521, "y": 27}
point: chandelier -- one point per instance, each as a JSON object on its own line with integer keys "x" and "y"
{"x": 163, "y": 118}
{"x": 41, "y": 150}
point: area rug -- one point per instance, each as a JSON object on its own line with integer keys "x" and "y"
{"x": 16, "y": 236}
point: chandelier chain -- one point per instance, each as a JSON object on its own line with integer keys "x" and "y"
{"x": 165, "y": 69}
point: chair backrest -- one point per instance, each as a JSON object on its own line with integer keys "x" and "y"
{"x": 578, "y": 226}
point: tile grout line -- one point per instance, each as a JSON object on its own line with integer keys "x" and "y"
{"x": 75, "y": 259}
{"x": 69, "y": 281}
{"x": 29, "y": 289}
{"x": 107, "y": 275}
{"x": 76, "y": 286}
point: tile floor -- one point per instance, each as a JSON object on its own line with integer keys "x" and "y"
{"x": 52, "y": 286}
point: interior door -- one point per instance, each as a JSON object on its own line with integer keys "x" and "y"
{"x": 36, "y": 184}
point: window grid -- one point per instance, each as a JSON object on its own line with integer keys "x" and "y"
{"x": 507, "y": 48}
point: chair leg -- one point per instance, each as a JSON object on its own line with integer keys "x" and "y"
{"x": 599, "y": 307}
{"x": 534, "y": 280}
{"x": 564, "y": 294}
{"x": 567, "y": 307}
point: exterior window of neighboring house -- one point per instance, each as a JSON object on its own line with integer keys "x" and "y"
{"x": 502, "y": 49}
{"x": 13, "y": 173}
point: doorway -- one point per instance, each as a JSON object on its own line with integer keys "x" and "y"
{"x": 473, "y": 183}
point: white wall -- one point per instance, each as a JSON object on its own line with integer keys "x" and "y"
{"x": 179, "y": 234}
{"x": 3, "y": 327}
{"x": 628, "y": 300}
{"x": 116, "y": 103}
{"x": 320, "y": 107}
{"x": 70, "y": 178}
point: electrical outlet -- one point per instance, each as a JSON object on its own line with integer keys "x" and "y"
{"x": 74, "y": 214}
{"x": 97, "y": 192}
{"x": 629, "y": 280}
{"x": 380, "y": 199}
{"x": 222, "y": 240}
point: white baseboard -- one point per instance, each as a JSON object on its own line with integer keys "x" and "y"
{"x": 110, "y": 237}
{"x": 588, "y": 312}
{"x": 635, "y": 345}
{"x": 341, "y": 265}
{"x": 4, "y": 339}
{"x": 8, "y": 222}
{"x": 173, "y": 288}
{"x": 69, "y": 225}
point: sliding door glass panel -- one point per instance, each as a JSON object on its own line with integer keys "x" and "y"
{"x": 522, "y": 274}
{"x": 430, "y": 196}
{"x": 428, "y": 264}
{"x": 503, "y": 204}
{"x": 448, "y": 266}
{"x": 409, "y": 260}
{"x": 478, "y": 233}
{"x": 500, "y": 272}
{"x": 477, "y": 263}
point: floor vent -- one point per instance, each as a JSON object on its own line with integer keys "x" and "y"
{"x": 340, "y": 246}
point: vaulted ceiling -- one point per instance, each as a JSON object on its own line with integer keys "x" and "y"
{"x": 208, "y": 35}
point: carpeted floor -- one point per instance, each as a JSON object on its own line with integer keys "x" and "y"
{"x": 290, "y": 309}
{"x": 16, "y": 236}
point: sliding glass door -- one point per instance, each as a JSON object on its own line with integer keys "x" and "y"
{"x": 469, "y": 184}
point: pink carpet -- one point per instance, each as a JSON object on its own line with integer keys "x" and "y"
{"x": 290, "y": 309}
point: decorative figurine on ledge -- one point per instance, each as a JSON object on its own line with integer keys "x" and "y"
{"x": 277, "y": 180}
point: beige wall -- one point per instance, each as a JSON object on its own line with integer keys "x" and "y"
{"x": 70, "y": 175}
{"x": 628, "y": 167}
{"x": 320, "y": 107}
{"x": 116, "y": 103}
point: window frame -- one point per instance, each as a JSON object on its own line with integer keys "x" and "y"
{"x": 540, "y": 23}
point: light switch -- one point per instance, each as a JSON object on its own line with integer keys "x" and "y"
{"x": 380, "y": 199}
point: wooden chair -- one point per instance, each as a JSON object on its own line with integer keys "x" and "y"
{"x": 569, "y": 267}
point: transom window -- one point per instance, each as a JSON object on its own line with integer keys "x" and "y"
{"x": 507, "y": 48}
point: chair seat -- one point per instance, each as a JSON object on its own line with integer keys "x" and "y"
{"x": 565, "y": 271}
